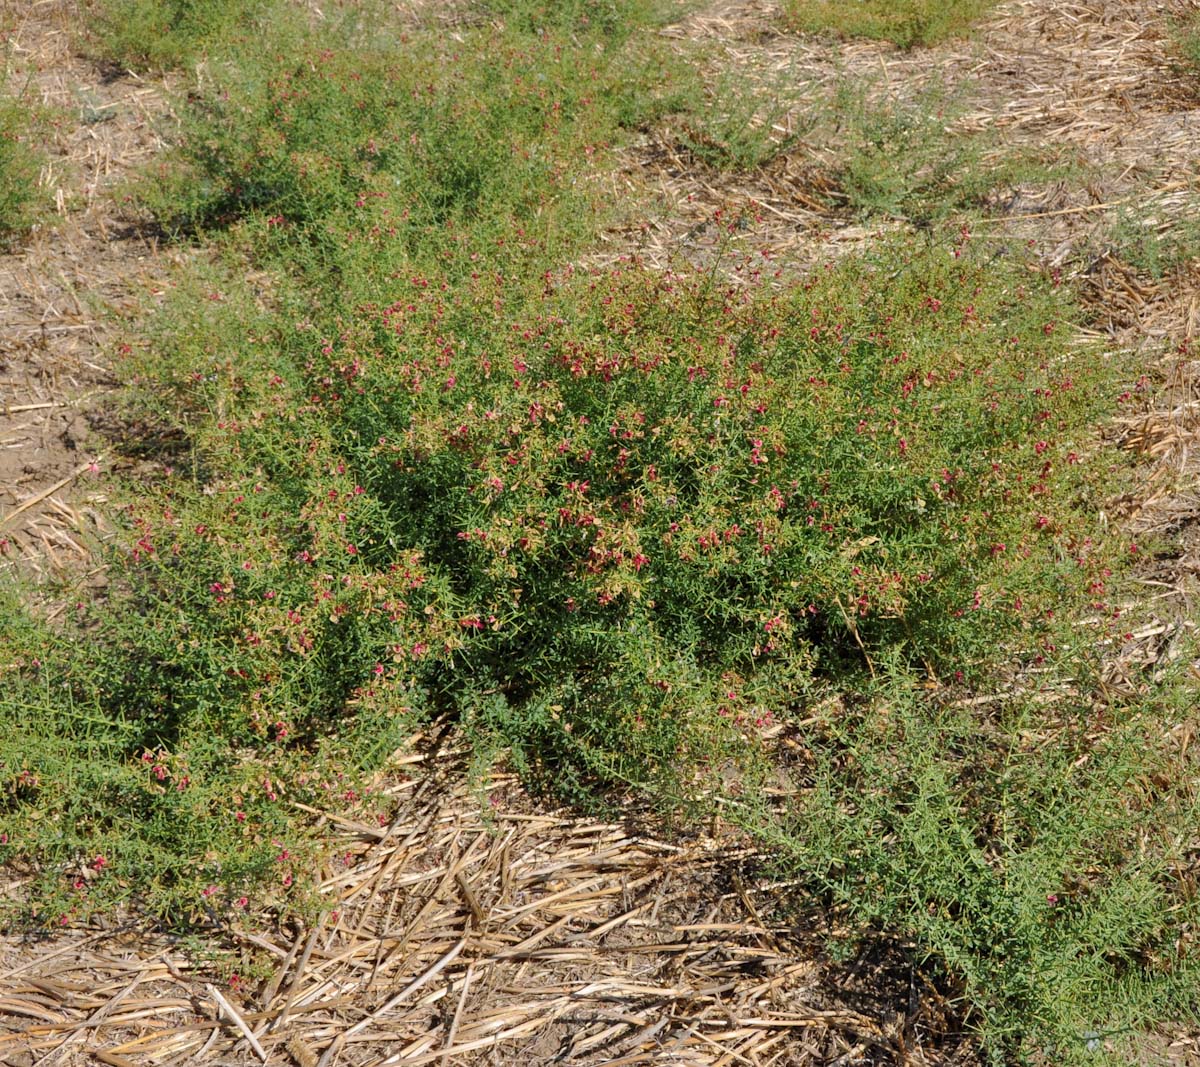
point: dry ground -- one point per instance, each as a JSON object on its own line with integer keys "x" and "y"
{"x": 487, "y": 929}
{"x": 60, "y": 293}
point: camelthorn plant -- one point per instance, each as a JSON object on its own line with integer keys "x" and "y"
{"x": 632, "y": 510}
{"x": 22, "y": 125}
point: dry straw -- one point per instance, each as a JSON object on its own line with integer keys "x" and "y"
{"x": 469, "y": 933}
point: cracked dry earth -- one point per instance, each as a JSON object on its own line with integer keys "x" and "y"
{"x": 497, "y": 932}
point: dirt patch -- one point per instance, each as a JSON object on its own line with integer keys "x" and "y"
{"x": 64, "y": 290}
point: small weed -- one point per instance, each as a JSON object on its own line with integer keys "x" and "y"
{"x": 1186, "y": 40}
{"x": 742, "y": 125}
{"x": 907, "y": 23}
{"x": 91, "y": 112}
{"x": 1152, "y": 243}
{"x": 21, "y": 160}
{"x": 905, "y": 159}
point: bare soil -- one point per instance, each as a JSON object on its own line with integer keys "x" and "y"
{"x": 64, "y": 291}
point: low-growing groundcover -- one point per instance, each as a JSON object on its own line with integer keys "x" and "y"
{"x": 610, "y": 522}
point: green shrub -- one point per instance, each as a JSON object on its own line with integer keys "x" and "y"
{"x": 907, "y": 23}
{"x": 609, "y": 504}
{"x": 489, "y": 126}
{"x": 613, "y": 522}
{"x": 904, "y": 159}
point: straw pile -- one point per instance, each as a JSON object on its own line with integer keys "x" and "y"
{"x": 472, "y": 931}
